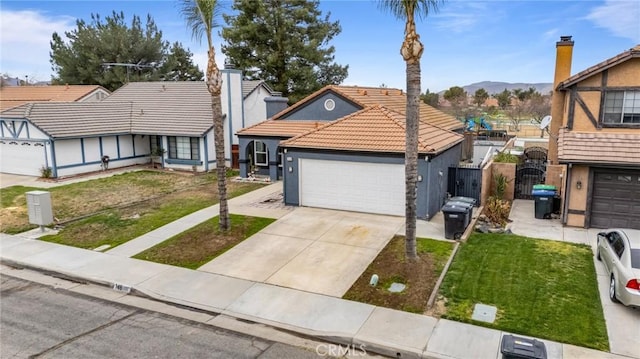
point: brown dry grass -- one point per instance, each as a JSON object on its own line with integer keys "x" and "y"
{"x": 391, "y": 266}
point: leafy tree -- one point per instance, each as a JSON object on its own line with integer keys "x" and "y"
{"x": 110, "y": 52}
{"x": 284, "y": 42}
{"x": 539, "y": 106}
{"x": 519, "y": 107}
{"x": 431, "y": 98}
{"x": 178, "y": 65}
{"x": 411, "y": 51}
{"x": 201, "y": 16}
{"x": 82, "y": 59}
{"x": 457, "y": 97}
{"x": 503, "y": 98}
{"x": 480, "y": 96}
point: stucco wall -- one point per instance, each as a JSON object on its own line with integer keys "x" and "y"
{"x": 577, "y": 197}
{"x": 315, "y": 111}
{"x": 232, "y": 107}
{"x": 255, "y": 109}
{"x": 432, "y": 191}
{"x": 509, "y": 171}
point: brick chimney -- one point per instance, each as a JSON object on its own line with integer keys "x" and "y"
{"x": 564, "y": 53}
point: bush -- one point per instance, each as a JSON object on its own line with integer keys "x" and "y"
{"x": 46, "y": 172}
{"x": 497, "y": 210}
{"x": 504, "y": 157}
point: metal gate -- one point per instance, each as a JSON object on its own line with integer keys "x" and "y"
{"x": 465, "y": 181}
{"x": 527, "y": 175}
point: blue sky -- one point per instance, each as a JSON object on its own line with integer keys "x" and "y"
{"x": 465, "y": 41}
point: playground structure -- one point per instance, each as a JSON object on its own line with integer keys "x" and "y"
{"x": 472, "y": 122}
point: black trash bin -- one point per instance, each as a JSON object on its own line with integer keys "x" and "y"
{"x": 470, "y": 200}
{"x": 513, "y": 347}
{"x": 455, "y": 217}
{"x": 543, "y": 203}
{"x": 468, "y": 206}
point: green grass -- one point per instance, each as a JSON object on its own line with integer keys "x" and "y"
{"x": 542, "y": 288}
{"x": 204, "y": 242}
{"x": 9, "y": 196}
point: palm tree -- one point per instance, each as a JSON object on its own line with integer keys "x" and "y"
{"x": 411, "y": 52}
{"x": 201, "y": 17}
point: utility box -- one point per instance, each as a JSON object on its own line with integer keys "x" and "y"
{"x": 39, "y": 207}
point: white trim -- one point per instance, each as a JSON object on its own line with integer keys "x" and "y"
{"x": 256, "y": 152}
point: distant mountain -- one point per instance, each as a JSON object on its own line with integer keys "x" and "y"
{"x": 496, "y": 87}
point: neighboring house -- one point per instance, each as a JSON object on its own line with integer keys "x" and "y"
{"x": 260, "y": 151}
{"x": 72, "y": 138}
{"x": 12, "y": 96}
{"x": 343, "y": 148}
{"x": 598, "y": 141}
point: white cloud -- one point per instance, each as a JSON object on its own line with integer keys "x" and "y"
{"x": 24, "y": 41}
{"x": 621, "y": 17}
{"x": 461, "y": 16}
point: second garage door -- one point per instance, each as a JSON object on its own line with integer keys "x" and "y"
{"x": 616, "y": 199}
{"x": 352, "y": 186}
{"x": 22, "y": 158}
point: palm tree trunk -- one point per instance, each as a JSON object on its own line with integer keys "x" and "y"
{"x": 411, "y": 156}
{"x": 214, "y": 85}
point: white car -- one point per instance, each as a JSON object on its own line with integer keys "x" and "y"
{"x": 620, "y": 254}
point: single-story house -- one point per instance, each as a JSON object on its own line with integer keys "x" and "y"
{"x": 72, "y": 138}
{"x": 260, "y": 151}
{"x": 357, "y": 164}
{"x": 598, "y": 141}
{"x": 12, "y": 96}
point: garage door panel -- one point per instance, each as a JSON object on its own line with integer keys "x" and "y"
{"x": 352, "y": 186}
{"x": 23, "y": 158}
{"x": 616, "y": 199}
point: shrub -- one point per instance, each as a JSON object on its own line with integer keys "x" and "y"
{"x": 500, "y": 182}
{"x": 504, "y": 157}
{"x": 46, "y": 172}
{"x": 497, "y": 210}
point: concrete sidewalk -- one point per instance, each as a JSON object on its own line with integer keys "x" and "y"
{"x": 380, "y": 330}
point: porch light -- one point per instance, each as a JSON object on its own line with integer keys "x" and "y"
{"x": 579, "y": 184}
{"x": 419, "y": 178}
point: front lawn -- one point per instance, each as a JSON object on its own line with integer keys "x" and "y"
{"x": 391, "y": 266}
{"x": 204, "y": 242}
{"x": 117, "y": 226}
{"x": 546, "y": 289}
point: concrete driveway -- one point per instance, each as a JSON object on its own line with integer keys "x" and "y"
{"x": 623, "y": 323}
{"x": 316, "y": 250}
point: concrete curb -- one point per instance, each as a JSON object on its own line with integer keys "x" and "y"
{"x": 436, "y": 289}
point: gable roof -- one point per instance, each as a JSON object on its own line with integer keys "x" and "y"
{"x": 598, "y": 68}
{"x": 71, "y": 119}
{"x": 248, "y": 86}
{"x": 374, "y": 129}
{"x": 393, "y": 99}
{"x": 167, "y": 107}
{"x": 600, "y": 147}
{"x": 12, "y": 96}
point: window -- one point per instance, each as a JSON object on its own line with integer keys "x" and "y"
{"x": 184, "y": 148}
{"x": 622, "y": 107}
{"x": 617, "y": 243}
{"x": 155, "y": 143}
{"x": 261, "y": 155}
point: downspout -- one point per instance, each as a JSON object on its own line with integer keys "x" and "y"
{"x": 206, "y": 153}
{"x": 565, "y": 206}
{"x": 53, "y": 160}
{"x": 230, "y": 111}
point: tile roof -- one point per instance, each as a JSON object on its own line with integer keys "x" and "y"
{"x": 374, "y": 129}
{"x": 280, "y": 128}
{"x": 599, "y": 147}
{"x": 248, "y": 86}
{"x": 11, "y": 96}
{"x": 75, "y": 119}
{"x": 167, "y": 107}
{"x": 393, "y": 99}
{"x": 597, "y": 68}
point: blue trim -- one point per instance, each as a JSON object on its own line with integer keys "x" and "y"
{"x": 82, "y": 150}
{"x": 133, "y": 144}
{"x": 99, "y": 162}
{"x": 53, "y": 159}
{"x": 2, "y": 129}
{"x": 183, "y": 162}
{"x": 243, "y": 125}
{"x": 118, "y": 145}
{"x": 20, "y": 129}
{"x": 46, "y": 160}
{"x": 101, "y": 151}
{"x": 206, "y": 153}
{"x": 230, "y": 111}
{"x": 28, "y": 134}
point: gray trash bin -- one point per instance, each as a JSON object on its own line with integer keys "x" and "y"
{"x": 455, "y": 217}
{"x": 463, "y": 199}
{"x": 513, "y": 347}
{"x": 468, "y": 206}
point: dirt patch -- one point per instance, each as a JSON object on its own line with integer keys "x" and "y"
{"x": 391, "y": 266}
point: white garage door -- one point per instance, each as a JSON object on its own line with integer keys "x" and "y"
{"x": 352, "y": 186}
{"x": 22, "y": 158}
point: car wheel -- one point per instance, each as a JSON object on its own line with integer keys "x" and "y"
{"x": 612, "y": 290}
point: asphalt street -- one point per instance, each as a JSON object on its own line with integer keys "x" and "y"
{"x": 37, "y": 321}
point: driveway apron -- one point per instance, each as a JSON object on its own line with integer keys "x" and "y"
{"x": 316, "y": 250}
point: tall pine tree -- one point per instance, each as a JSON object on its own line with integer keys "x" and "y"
{"x": 284, "y": 42}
